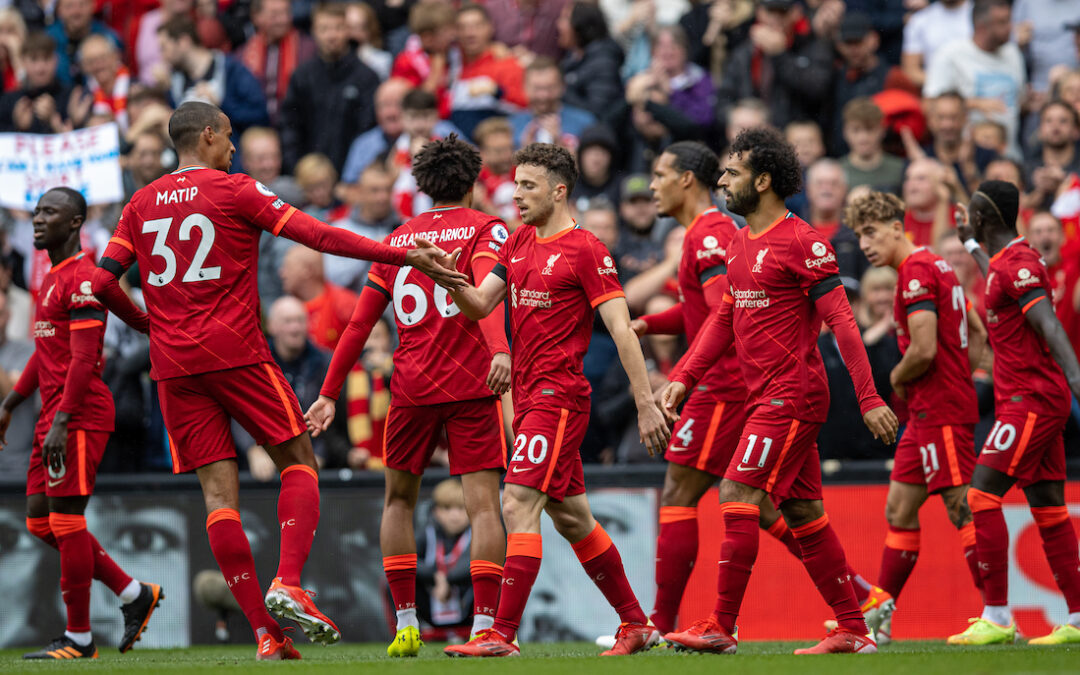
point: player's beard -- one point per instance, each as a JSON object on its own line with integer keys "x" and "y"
{"x": 745, "y": 202}
{"x": 539, "y": 213}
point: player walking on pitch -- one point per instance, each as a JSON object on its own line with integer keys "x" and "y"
{"x": 1035, "y": 370}
{"x": 782, "y": 278}
{"x": 194, "y": 234}
{"x": 439, "y": 383}
{"x": 73, "y": 428}
{"x": 556, "y": 274}
{"x": 941, "y": 343}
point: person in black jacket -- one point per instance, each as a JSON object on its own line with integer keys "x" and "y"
{"x": 40, "y": 106}
{"x": 330, "y": 100}
{"x": 591, "y": 66}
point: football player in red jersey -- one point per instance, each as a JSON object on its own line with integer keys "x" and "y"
{"x": 782, "y": 280}
{"x": 195, "y": 235}
{"x": 74, "y": 426}
{"x": 941, "y": 343}
{"x": 1035, "y": 370}
{"x": 556, "y": 274}
{"x": 448, "y": 374}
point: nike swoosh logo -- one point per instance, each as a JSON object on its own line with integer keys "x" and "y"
{"x": 518, "y": 469}
{"x": 54, "y": 483}
{"x": 746, "y": 468}
{"x": 517, "y": 260}
{"x": 731, "y": 259}
{"x": 678, "y": 449}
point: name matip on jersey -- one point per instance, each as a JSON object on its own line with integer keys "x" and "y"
{"x": 554, "y": 285}
{"x": 944, "y": 394}
{"x": 64, "y": 304}
{"x": 441, "y": 356}
{"x": 1026, "y": 377}
{"x": 704, "y": 261}
{"x": 195, "y": 233}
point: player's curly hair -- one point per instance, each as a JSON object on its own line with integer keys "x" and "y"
{"x": 698, "y": 159}
{"x": 554, "y": 159}
{"x": 767, "y": 151}
{"x": 874, "y": 207}
{"x": 446, "y": 169}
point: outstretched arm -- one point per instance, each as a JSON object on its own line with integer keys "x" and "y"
{"x": 105, "y": 282}
{"x": 652, "y": 427}
{"x": 493, "y": 327}
{"x": 476, "y": 303}
{"x": 1039, "y": 312}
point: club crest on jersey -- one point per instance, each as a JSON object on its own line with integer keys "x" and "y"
{"x": 760, "y": 259}
{"x": 48, "y": 294}
{"x": 552, "y": 259}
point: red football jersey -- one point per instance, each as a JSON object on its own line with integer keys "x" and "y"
{"x": 195, "y": 234}
{"x": 442, "y": 356}
{"x": 554, "y": 285}
{"x": 64, "y": 302}
{"x": 704, "y": 262}
{"x": 944, "y": 394}
{"x": 1026, "y": 377}
{"x": 775, "y": 323}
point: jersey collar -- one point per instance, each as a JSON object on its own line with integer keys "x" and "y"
{"x": 701, "y": 215}
{"x": 1005, "y": 248}
{"x": 921, "y": 248}
{"x": 66, "y": 261}
{"x": 557, "y": 235}
{"x": 770, "y": 227}
{"x": 190, "y": 167}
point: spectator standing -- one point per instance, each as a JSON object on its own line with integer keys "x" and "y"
{"x": 548, "y": 119}
{"x": 489, "y": 83}
{"x": 1056, "y": 156}
{"x": 330, "y": 100}
{"x": 529, "y": 25}
{"x": 946, "y": 119}
{"x": 41, "y": 105}
{"x": 593, "y": 59}
{"x": 930, "y": 28}
{"x": 12, "y": 35}
{"x": 74, "y": 23}
{"x": 201, "y": 74}
{"x": 366, "y": 37}
{"x": 867, "y": 163}
{"x": 826, "y": 192}
{"x": 328, "y": 306}
{"x": 273, "y": 53}
{"x": 860, "y": 73}
{"x": 1040, "y": 30}
{"x": 373, "y": 216}
{"x": 987, "y": 70}
{"x": 688, "y": 87}
{"x": 782, "y": 63}
{"x": 107, "y": 79}
{"x": 430, "y": 61}
{"x": 148, "y": 62}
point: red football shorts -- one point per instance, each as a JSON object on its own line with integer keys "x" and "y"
{"x": 547, "y": 451}
{"x": 778, "y": 455}
{"x": 1028, "y": 447}
{"x": 76, "y": 478}
{"x": 197, "y": 411}
{"x": 938, "y": 457}
{"x": 474, "y": 436}
{"x": 706, "y": 435}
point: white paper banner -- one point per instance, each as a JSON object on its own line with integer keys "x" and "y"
{"x": 87, "y": 160}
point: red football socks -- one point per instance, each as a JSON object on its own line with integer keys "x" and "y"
{"x": 824, "y": 559}
{"x": 991, "y": 545}
{"x": 676, "y": 551}
{"x": 602, "y": 562}
{"x": 76, "y": 568}
{"x": 1059, "y": 543}
{"x": 486, "y": 579}
{"x": 861, "y": 586}
{"x": 737, "y": 555}
{"x": 898, "y": 559}
{"x": 105, "y": 568}
{"x": 401, "y": 577}
{"x": 971, "y": 556}
{"x": 524, "y": 551}
{"x": 782, "y": 533}
{"x": 233, "y": 554}
{"x": 298, "y": 515}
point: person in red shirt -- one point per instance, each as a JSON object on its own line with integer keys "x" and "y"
{"x": 1035, "y": 371}
{"x": 429, "y": 60}
{"x": 782, "y": 281}
{"x": 74, "y": 426}
{"x": 328, "y": 306}
{"x": 556, "y": 275}
{"x": 941, "y": 343}
{"x": 490, "y": 82}
{"x": 195, "y": 235}
{"x": 448, "y": 375}
{"x": 930, "y": 208}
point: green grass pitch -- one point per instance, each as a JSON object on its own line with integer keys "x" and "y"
{"x": 910, "y": 658}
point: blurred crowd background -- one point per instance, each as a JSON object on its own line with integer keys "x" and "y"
{"x": 330, "y": 101}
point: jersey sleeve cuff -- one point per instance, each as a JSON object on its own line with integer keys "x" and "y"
{"x": 921, "y": 306}
{"x": 84, "y": 324}
{"x": 122, "y": 242}
{"x": 280, "y": 224}
{"x": 599, "y": 300}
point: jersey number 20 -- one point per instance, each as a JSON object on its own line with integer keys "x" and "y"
{"x": 195, "y": 271}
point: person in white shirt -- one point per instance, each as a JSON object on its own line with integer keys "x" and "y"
{"x": 929, "y": 29}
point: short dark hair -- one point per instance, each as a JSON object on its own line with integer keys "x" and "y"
{"x": 475, "y": 7}
{"x": 953, "y": 94}
{"x": 38, "y": 44}
{"x": 179, "y": 26}
{"x": 587, "y": 22}
{"x": 188, "y": 122}
{"x": 554, "y": 159}
{"x": 332, "y": 9}
{"x": 75, "y": 200}
{"x": 1004, "y": 198}
{"x": 419, "y": 100}
{"x": 446, "y": 169}
{"x": 981, "y": 8}
{"x": 1071, "y": 111}
{"x": 698, "y": 159}
{"x": 767, "y": 151}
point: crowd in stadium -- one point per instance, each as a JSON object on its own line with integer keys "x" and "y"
{"x": 329, "y": 103}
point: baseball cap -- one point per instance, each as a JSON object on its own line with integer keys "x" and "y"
{"x": 635, "y": 186}
{"x": 854, "y": 26}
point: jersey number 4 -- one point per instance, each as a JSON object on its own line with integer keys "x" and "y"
{"x": 195, "y": 272}
{"x": 444, "y": 305}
